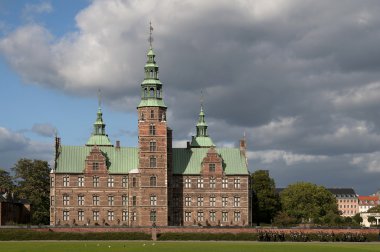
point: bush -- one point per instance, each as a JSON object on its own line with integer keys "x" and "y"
{"x": 207, "y": 237}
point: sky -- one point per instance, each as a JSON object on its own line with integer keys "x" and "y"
{"x": 301, "y": 78}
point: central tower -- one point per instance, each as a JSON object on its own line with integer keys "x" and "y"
{"x": 154, "y": 140}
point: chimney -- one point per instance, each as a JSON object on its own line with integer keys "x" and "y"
{"x": 117, "y": 144}
{"x": 187, "y": 145}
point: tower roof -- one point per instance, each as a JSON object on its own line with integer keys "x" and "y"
{"x": 151, "y": 87}
{"x": 99, "y": 136}
{"x": 201, "y": 139}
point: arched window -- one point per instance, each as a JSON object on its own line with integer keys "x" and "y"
{"x": 151, "y": 94}
{"x": 152, "y": 162}
{"x": 145, "y": 92}
{"x": 153, "y": 181}
{"x": 159, "y": 93}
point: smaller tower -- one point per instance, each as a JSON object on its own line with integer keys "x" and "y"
{"x": 99, "y": 136}
{"x": 201, "y": 140}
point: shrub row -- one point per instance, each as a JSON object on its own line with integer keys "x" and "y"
{"x": 18, "y": 235}
{"x": 270, "y": 236}
{"x": 207, "y": 237}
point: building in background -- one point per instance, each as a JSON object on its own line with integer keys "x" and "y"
{"x": 367, "y": 202}
{"x": 12, "y": 210}
{"x": 152, "y": 184}
{"x": 347, "y": 201}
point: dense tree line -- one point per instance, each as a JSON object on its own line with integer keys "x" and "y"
{"x": 30, "y": 182}
{"x": 299, "y": 203}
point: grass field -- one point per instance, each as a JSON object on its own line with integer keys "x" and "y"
{"x": 113, "y": 246}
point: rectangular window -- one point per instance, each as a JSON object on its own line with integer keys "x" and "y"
{"x": 110, "y": 182}
{"x": 95, "y": 200}
{"x": 200, "y": 201}
{"x": 66, "y": 181}
{"x": 224, "y": 216}
{"x": 134, "y": 201}
{"x": 153, "y": 216}
{"x": 211, "y": 167}
{"x": 152, "y": 130}
{"x": 187, "y": 201}
{"x": 81, "y": 181}
{"x": 237, "y": 183}
{"x": 110, "y": 200}
{"x": 188, "y": 183}
{"x": 80, "y": 200}
{"x": 134, "y": 182}
{"x": 187, "y": 216}
{"x": 212, "y": 201}
{"x": 66, "y": 215}
{"x": 153, "y": 200}
{"x": 152, "y": 162}
{"x": 176, "y": 201}
{"x": 212, "y": 216}
{"x": 236, "y": 201}
{"x": 134, "y": 216}
{"x": 52, "y": 200}
{"x": 124, "y": 215}
{"x": 236, "y": 216}
{"x": 95, "y": 215}
{"x": 95, "y": 181}
{"x": 200, "y": 183}
{"x": 212, "y": 183}
{"x": 225, "y": 183}
{"x": 110, "y": 215}
{"x": 52, "y": 182}
{"x": 80, "y": 215}
{"x": 199, "y": 216}
{"x": 124, "y": 200}
{"x": 66, "y": 200}
{"x": 124, "y": 181}
{"x": 152, "y": 114}
{"x": 95, "y": 166}
{"x": 152, "y": 146}
{"x": 224, "y": 201}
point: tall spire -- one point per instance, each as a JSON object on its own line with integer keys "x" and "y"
{"x": 99, "y": 136}
{"x": 151, "y": 87}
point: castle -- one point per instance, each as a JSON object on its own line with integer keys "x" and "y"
{"x": 153, "y": 184}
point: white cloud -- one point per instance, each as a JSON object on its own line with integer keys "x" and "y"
{"x": 271, "y": 156}
{"x": 361, "y": 96}
{"x": 368, "y": 161}
{"x": 30, "y": 10}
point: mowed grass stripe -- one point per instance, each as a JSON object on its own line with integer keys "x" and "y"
{"x": 116, "y": 246}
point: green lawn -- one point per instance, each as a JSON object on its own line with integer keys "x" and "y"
{"x": 104, "y": 246}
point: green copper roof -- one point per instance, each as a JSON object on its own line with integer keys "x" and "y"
{"x": 152, "y": 103}
{"x": 72, "y": 159}
{"x": 201, "y": 141}
{"x": 188, "y": 161}
{"x": 99, "y": 140}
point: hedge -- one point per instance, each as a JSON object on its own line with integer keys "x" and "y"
{"x": 18, "y": 235}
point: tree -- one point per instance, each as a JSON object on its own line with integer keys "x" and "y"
{"x": 375, "y": 209}
{"x": 357, "y": 218}
{"x": 32, "y": 178}
{"x": 371, "y": 219}
{"x": 307, "y": 202}
{"x": 266, "y": 202}
{"x": 6, "y": 180}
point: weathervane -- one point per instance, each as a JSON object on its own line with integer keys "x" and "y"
{"x": 150, "y": 39}
{"x": 201, "y": 98}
